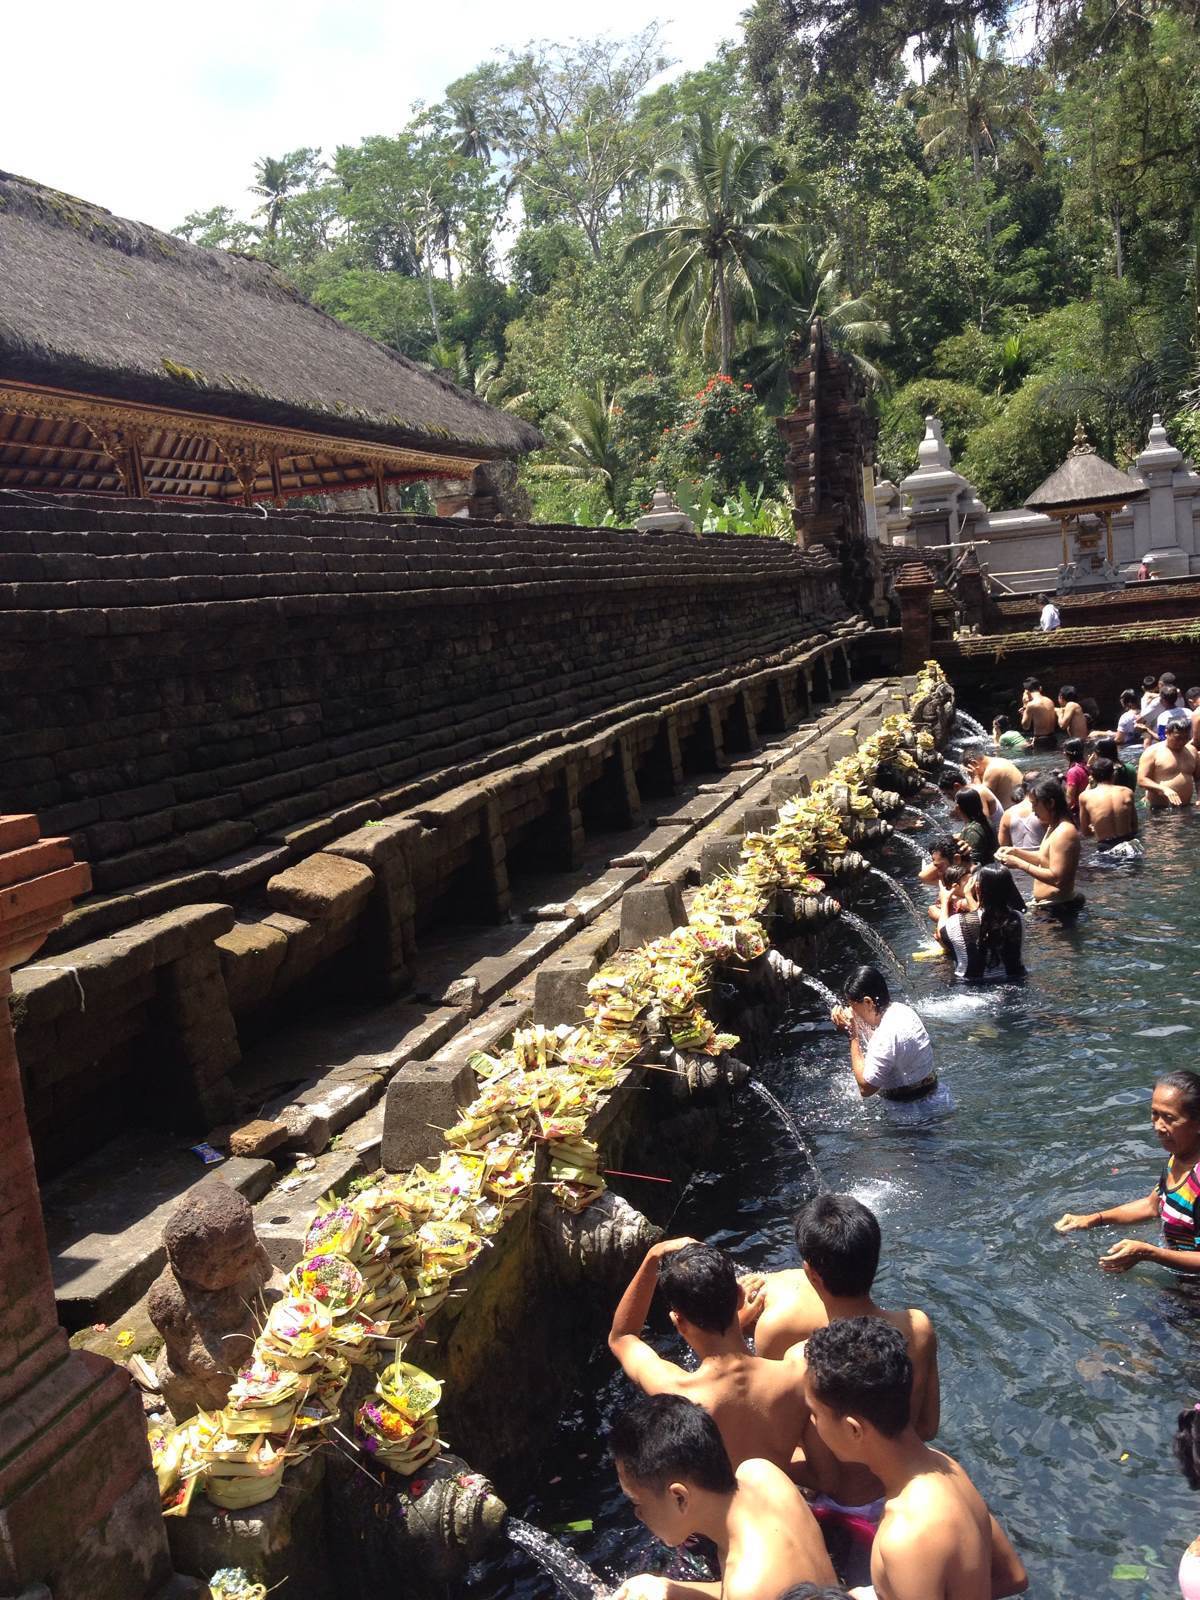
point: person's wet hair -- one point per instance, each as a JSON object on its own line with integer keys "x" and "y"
{"x": 948, "y": 781}
{"x": 1187, "y": 1086}
{"x": 943, "y": 845}
{"x": 1165, "y": 679}
{"x": 1150, "y": 681}
{"x": 1103, "y": 770}
{"x": 1129, "y": 699}
{"x": 1032, "y": 683}
{"x": 1051, "y": 794}
{"x": 860, "y": 1366}
{"x": 813, "y": 1591}
{"x": 1179, "y": 723}
{"x": 666, "y": 1439}
{"x": 953, "y": 876}
{"x": 970, "y": 803}
{"x": 1169, "y": 695}
{"x": 1075, "y": 749}
{"x": 840, "y": 1240}
{"x": 1193, "y": 695}
{"x": 1001, "y": 724}
{"x": 700, "y": 1284}
{"x": 1067, "y": 692}
{"x": 1108, "y": 749}
{"x": 1186, "y": 1445}
{"x": 866, "y": 983}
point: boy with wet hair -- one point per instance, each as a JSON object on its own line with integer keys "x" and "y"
{"x": 679, "y": 1479}
{"x": 755, "y": 1404}
{"x": 936, "y": 1536}
{"x": 1038, "y": 716}
{"x": 1071, "y": 718}
{"x": 943, "y": 854}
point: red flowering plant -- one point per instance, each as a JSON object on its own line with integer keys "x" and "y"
{"x": 722, "y": 434}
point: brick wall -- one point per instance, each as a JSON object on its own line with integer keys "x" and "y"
{"x": 182, "y": 686}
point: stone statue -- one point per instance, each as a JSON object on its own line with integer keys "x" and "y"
{"x": 210, "y": 1299}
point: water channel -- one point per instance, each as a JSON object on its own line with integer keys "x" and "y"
{"x": 1060, "y": 1383}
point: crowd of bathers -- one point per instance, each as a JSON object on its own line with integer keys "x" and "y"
{"x": 793, "y": 1461}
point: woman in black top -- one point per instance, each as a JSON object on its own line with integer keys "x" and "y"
{"x": 985, "y": 940}
{"x": 976, "y": 832}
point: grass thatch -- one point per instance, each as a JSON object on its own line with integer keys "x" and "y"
{"x": 94, "y": 303}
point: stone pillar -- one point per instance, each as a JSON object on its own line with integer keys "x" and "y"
{"x": 914, "y": 590}
{"x": 79, "y": 1506}
{"x": 466, "y": 497}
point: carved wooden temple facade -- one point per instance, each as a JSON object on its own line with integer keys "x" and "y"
{"x": 135, "y": 364}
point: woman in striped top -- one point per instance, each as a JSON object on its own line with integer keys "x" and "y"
{"x": 1175, "y": 1114}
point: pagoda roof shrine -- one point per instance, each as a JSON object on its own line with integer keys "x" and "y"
{"x": 133, "y": 363}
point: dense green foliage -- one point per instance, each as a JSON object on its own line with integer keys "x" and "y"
{"x": 631, "y": 260}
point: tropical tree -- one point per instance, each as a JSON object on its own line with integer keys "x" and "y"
{"x": 474, "y": 128}
{"x": 584, "y": 443}
{"x": 712, "y": 254}
{"x": 277, "y": 178}
{"x": 803, "y": 281}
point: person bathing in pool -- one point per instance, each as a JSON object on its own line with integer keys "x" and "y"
{"x": 1175, "y": 1117}
{"x": 1054, "y": 863}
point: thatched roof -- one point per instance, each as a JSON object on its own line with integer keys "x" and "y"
{"x": 95, "y": 304}
{"x": 1084, "y": 479}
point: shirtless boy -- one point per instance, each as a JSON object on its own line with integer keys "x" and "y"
{"x": 680, "y": 1482}
{"x": 1071, "y": 718}
{"x": 1038, "y": 716}
{"x": 1107, "y": 810}
{"x": 943, "y": 854}
{"x": 937, "y": 1540}
{"x": 997, "y": 773}
{"x": 1054, "y": 863}
{"x": 756, "y": 1404}
{"x": 1167, "y": 770}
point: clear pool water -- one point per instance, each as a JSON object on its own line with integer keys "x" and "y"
{"x": 1060, "y": 1383}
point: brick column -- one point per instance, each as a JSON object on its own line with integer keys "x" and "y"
{"x": 79, "y": 1507}
{"x": 914, "y": 590}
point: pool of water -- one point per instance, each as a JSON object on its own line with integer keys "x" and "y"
{"x": 1060, "y": 1383}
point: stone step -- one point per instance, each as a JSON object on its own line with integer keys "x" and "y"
{"x": 104, "y": 1219}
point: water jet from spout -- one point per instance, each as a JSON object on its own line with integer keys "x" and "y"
{"x": 573, "y": 1577}
{"x": 875, "y": 941}
{"x": 918, "y": 921}
{"x": 792, "y": 1126}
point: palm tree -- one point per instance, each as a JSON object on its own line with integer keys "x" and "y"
{"x": 584, "y": 442}
{"x": 711, "y": 253}
{"x": 471, "y": 124}
{"x": 975, "y": 104}
{"x": 277, "y": 177}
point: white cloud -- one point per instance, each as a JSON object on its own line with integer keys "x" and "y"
{"x": 155, "y": 110}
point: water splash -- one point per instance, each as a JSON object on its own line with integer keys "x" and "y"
{"x": 973, "y": 727}
{"x": 955, "y": 767}
{"x": 919, "y": 922}
{"x": 792, "y": 1126}
{"x": 914, "y": 811}
{"x": 572, "y": 1576}
{"x": 875, "y": 941}
{"x": 911, "y": 845}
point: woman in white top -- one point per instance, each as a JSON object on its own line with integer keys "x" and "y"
{"x": 890, "y": 1052}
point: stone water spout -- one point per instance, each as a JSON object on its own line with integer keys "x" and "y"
{"x": 868, "y": 830}
{"x": 699, "y": 1074}
{"x": 847, "y": 866}
{"x": 806, "y": 912}
{"x": 887, "y": 801}
{"x": 601, "y": 1244}
{"x": 455, "y": 1518}
{"x": 902, "y": 780}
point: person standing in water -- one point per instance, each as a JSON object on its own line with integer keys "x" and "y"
{"x": 985, "y": 939}
{"x": 756, "y": 1407}
{"x": 1007, "y": 737}
{"x": 1020, "y": 825}
{"x": 1175, "y": 1117}
{"x": 1108, "y": 812}
{"x": 978, "y": 832}
{"x": 1187, "y": 1453}
{"x": 1054, "y": 863}
{"x": 936, "y": 1540}
{"x": 1167, "y": 770}
{"x": 1071, "y": 719}
{"x": 1076, "y": 780}
{"x": 890, "y": 1052}
{"x": 1038, "y": 716}
{"x": 994, "y": 775}
{"x": 677, "y": 1476}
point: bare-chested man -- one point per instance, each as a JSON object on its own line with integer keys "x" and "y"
{"x": 839, "y": 1241}
{"x": 943, "y": 854}
{"x": 1167, "y": 770}
{"x": 680, "y": 1481}
{"x": 936, "y": 1540}
{"x": 1071, "y": 719}
{"x": 1107, "y": 809}
{"x": 1054, "y": 863}
{"x": 755, "y": 1403}
{"x": 1038, "y": 716}
{"x": 997, "y": 775}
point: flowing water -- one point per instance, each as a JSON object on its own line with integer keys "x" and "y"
{"x": 796, "y": 974}
{"x": 874, "y": 941}
{"x": 567, "y": 1572}
{"x": 788, "y": 1121}
{"x": 907, "y": 842}
{"x": 1060, "y": 1383}
{"x": 919, "y": 921}
{"x": 955, "y": 767}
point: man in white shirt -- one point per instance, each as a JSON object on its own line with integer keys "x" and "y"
{"x": 890, "y": 1052}
{"x": 1050, "y": 618}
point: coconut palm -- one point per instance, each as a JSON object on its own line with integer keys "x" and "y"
{"x": 710, "y": 255}
{"x": 976, "y": 103}
{"x": 803, "y": 281}
{"x": 583, "y": 443}
{"x": 277, "y": 177}
{"x": 472, "y": 127}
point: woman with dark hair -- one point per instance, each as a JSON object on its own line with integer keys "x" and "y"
{"x": 1076, "y": 780}
{"x": 985, "y": 939}
{"x": 1175, "y": 1115}
{"x": 1187, "y": 1453}
{"x": 1054, "y": 863}
{"x": 890, "y": 1052}
{"x": 976, "y": 833}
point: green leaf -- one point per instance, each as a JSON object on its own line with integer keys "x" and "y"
{"x": 1127, "y": 1571}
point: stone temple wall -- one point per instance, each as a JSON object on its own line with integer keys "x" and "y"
{"x": 289, "y": 745}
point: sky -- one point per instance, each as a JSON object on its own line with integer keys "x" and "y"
{"x": 155, "y": 110}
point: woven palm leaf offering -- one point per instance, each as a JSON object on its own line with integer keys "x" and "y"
{"x": 297, "y": 1331}
{"x": 397, "y": 1425}
{"x": 242, "y": 1470}
{"x": 234, "y": 1583}
{"x": 508, "y": 1175}
{"x": 319, "y": 1407}
{"x": 264, "y": 1399}
{"x": 329, "y": 1279}
{"x": 175, "y": 1466}
{"x": 339, "y": 1229}
{"x": 575, "y": 1173}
